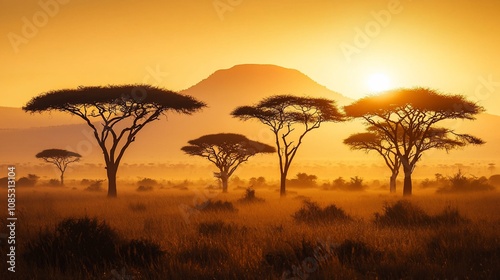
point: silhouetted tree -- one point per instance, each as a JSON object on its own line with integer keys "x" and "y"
{"x": 115, "y": 114}
{"x": 285, "y": 114}
{"x": 60, "y": 158}
{"x": 227, "y": 151}
{"x": 375, "y": 140}
{"x": 408, "y": 118}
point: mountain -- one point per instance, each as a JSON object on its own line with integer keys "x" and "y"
{"x": 249, "y": 83}
{"x": 23, "y": 135}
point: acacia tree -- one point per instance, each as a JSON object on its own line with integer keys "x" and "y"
{"x": 115, "y": 114}
{"x": 375, "y": 140}
{"x": 60, "y": 158}
{"x": 290, "y": 118}
{"x": 227, "y": 151}
{"x": 409, "y": 118}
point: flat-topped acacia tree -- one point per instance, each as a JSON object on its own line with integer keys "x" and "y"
{"x": 290, "y": 118}
{"x": 410, "y": 118}
{"x": 115, "y": 114}
{"x": 227, "y": 151}
{"x": 60, "y": 158}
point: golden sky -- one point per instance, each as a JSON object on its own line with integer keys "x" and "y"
{"x": 450, "y": 45}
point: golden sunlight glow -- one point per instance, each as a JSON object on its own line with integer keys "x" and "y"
{"x": 378, "y": 82}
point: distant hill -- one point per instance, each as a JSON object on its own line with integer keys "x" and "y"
{"x": 23, "y": 135}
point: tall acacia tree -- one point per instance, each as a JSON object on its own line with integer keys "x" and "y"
{"x": 375, "y": 140}
{"x": 115, "y": 114}
{"x": 410, "y": 119}
{"x": 290, "y": 118}
{"x": 60, "y": 158}
{"x": 227, "y": 151}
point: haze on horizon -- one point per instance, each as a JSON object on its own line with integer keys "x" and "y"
{"x": 449, "y": 45}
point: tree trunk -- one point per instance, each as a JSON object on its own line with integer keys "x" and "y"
{"x": 283, "y": 185}
{"x": 224, "y": 180}
{"x": 392, "y": 183}
{"x": 62, "y": 178}
{"x": 407, "y": 188}
{"x": 111, "y": 172}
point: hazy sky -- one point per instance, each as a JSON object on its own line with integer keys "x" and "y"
{"x": 448, "y": 45}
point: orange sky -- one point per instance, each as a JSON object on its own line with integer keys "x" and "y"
{"x": 448, "y": 45}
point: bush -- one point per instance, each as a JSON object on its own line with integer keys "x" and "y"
{"x": 459, "y": 183}
{"x": 311, "y": 212}
{"x": 250, "y": 197}
{"x": 76, "y": 242}
{"x": 355, "y": 184}
{"x": 215, "y": 228}
{"x": 28, "y": 181}
{"x": 141, "y": 252}
{"x": 147, "y": 182}
{"x": 95, "y": 186}
{"x": 404, "y": 213}
{"x": 303, "y": 180}
{"x": 144, "y": 188}
{"x": 54, "y": 183}
{"x": 216, "y": 206}
{"x": 82, "y": 244}
{"x": 464, "y": 252}
{"x": 358, "y": 255}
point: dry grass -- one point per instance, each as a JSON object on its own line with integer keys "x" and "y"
{"x": 247, "y": 244}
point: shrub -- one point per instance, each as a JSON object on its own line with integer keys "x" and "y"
{"x": 54, "y": 183}
{"x": 358, "y": 255}
{"x": 214, "y": 228}
{"x": 303, "y": 180}
{"x": 250, "y": 197}
{"x": 464, "y": 252}
{"x": 82, "y": 244}
{"x": 95, "y": 186}
{"x": 311, "y": 212}
{"x": 28, "y": 181}
{"x": 459, "y": 183}
{"x": 216, "y": 206}
{"x": 404, "y": 213}
{"x": 75, "y": 242}
{"x": 141, "y": 252}
{"x": 355, "y": 184}
{"x": 144, "y": 188}
{"x": 147, "y": 182}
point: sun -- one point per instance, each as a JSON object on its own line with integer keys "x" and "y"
{"x": 378, "y": 82}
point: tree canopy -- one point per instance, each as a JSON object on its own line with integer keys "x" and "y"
{"x": 289, "y": 117}
{"x": 60, "y": 158}
{"x": 408, "y": 120}
{"x": 115, "y": 114}
{"x": 227, "y": 151}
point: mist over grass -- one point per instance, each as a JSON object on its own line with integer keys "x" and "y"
{"x": 455, "y": 236}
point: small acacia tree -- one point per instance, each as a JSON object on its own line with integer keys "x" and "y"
{"x": 115, "y": 114}
{"x": 60, "y": 158}
{"x": 409, "y": 118}
{"x": 227, "y": 151}
{"x": 290, "y": 118}
{"x": 376, "y": 140}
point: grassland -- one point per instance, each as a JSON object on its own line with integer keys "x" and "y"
{"x": 263, "y": 241}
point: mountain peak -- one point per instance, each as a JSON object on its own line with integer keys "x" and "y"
{"x": 252, "y": 82}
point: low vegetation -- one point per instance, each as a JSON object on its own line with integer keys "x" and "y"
{"x": 327, "y": 237}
